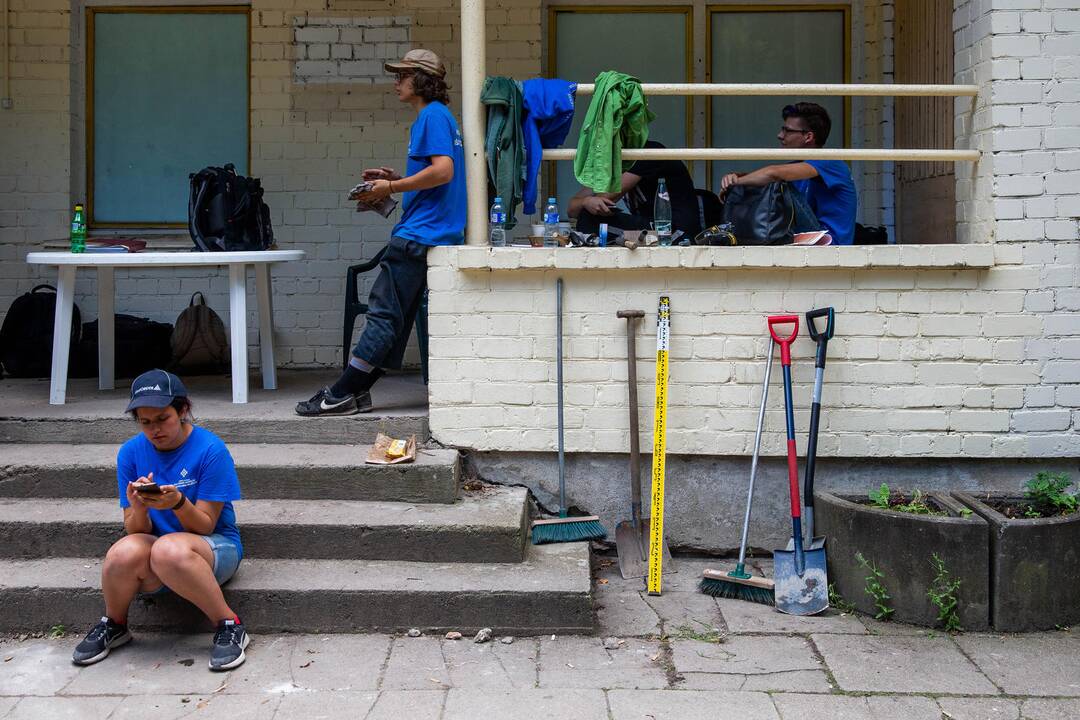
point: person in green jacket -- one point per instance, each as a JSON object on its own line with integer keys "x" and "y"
{"x": 618, "y": 117}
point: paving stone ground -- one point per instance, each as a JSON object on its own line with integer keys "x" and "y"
{"x": 680, "y": 656}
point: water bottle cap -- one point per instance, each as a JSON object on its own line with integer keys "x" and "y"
{"x": 498, "y": 199}
{"x": 551, "y": 200}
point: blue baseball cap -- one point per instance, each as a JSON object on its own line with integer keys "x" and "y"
{"x": 155, "y": 388}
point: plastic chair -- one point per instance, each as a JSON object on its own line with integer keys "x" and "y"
{"x": 355, "y": 307}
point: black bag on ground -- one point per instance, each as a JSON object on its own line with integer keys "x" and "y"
{"x": 226, "y": 211}
{"x": 27, "y": 334}
{"x": 199, "y": 343}
{"x": 871, "y": 235}
{"x": 761, "y": 215}
{"x": 140, "y": 345}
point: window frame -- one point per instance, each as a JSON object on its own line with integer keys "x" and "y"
{"x": 90, "y": 18}
{"x": 711, "y": 10}
{"x": 552, "y": 54}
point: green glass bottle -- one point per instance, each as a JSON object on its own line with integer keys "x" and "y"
{"x": 78, "y": 230}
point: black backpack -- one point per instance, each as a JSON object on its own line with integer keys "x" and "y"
{"x": 226, "y": 211}
{"x": 761, "y": 215}
{"x": 26, "y": 337}
{"x": 140, "y": 345}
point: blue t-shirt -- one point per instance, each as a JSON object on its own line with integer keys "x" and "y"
{"x": 435, "y": 216}
{"x": 201, "y": 468}
{"x": 832, "y": 197}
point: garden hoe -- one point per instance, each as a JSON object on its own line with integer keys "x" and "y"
{"x": 632, "y": 536}
{"x": 802, "y": 586}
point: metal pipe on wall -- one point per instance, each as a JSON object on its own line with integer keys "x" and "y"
{"x": 5, "y": 62}
{"x": 473, "y": 71}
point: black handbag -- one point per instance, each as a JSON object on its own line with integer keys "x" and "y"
{"x": 761, "y": 215}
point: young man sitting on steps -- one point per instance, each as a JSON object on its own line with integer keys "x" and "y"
{"x": 433, "y": 213}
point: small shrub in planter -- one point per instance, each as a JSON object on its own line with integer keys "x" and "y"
{"x": 916, "y": 558}
{"x": 1034, "y": 554}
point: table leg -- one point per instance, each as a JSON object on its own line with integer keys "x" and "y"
{"x": 106, "y": 329}
{"x": 264, "y": 290}
{"x": 238, "y": 331}
{"x": 61, "y": 348}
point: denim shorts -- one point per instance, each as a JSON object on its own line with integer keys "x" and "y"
{"x": 226, "y": 560}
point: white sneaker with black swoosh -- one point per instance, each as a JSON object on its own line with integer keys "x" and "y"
{"x": 323, "y": 403}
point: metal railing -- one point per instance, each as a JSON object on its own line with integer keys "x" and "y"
{"x": 473, "y": 71}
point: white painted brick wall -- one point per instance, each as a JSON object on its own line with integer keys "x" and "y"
{"x": 930, "y": 362}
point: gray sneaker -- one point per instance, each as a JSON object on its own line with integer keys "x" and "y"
{"x": 229, "y": 643}
{"x": 102, "y": 638}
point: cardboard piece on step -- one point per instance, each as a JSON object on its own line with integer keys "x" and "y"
{"x": 388, "y": 451}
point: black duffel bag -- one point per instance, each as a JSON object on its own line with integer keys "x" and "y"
{"x": 141, "y": 345}
{"x": 26, "y": 337}
{"x": 761, "y": 215}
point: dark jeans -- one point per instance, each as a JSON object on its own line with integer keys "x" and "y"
{"x": 589, "y": 223}
{"x": 392, "y": 304}
{"x": 805, "y": 219}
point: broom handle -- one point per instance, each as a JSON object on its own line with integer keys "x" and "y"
{"x": 757, "y": 449}
{"x": 559, "y": 376}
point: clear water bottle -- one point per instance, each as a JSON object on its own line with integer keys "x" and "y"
{"x": 78, "y": 229}
{"x": 498, "y": 224}
{"x": 551, "y": 223}
{"x": 662, "y": 213}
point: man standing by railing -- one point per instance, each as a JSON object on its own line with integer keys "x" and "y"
{"x": 826, "y": 184}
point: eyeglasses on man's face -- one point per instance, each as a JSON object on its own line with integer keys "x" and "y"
{"x": 785, "y": 130}
{"x": 402, "y": 76}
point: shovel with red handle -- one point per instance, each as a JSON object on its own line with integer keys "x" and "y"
{"x": 802, "y": 586}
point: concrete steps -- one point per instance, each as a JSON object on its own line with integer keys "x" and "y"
{"x": 487, "y": 526}
{"x": 283, "y": 471}
{"x": 349, "y": 430}
{"x": 548, "y": 592}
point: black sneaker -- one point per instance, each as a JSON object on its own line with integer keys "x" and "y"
{"x": 323, "y": 403}
{"x": 104, "y": 636}
{"x": 229, "y": 643}
{"x": 363, "y": 402}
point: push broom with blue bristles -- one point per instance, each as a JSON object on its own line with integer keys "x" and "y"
{"x": 564, "y": 528}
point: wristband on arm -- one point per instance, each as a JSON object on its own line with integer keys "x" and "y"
{"x": 180, "y": 504}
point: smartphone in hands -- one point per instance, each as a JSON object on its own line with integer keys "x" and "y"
{"x": 147, "y": 489}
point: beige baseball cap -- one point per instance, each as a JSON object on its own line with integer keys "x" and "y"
{"x": 419, "y": 59}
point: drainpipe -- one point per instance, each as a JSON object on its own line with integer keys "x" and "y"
{"x": 473, "y": 71}
{"x": 5, "y": 64}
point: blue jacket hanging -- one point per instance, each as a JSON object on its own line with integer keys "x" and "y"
{"x": 549, "y": 112}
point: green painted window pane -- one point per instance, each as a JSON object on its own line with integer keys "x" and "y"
{"x": 590, "y": 43}
{"x": 771, "y": 47}
{"x": 170, "y": 98}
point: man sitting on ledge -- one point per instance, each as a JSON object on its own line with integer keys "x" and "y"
{"x": 826, "y": 184}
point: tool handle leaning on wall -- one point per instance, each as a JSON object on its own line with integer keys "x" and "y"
{"x": 822, "y": 339}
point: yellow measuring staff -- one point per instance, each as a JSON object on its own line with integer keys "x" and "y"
{"x": 656, "y": 526}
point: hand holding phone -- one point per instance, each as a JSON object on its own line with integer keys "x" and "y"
{"x": 150, "y": 488}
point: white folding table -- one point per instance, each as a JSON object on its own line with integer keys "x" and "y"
{"x": 68, "y": 263}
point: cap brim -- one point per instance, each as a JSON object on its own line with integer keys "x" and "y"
{"x": 398, "y": 67}
{"x": 156, "y": 401}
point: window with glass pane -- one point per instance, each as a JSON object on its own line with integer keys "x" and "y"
{"x": 772, "y": 46}
{"x": 167, "y": 96}
{"x": 588, "y": 41}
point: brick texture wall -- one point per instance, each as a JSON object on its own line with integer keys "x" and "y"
{"x": 313, "y": 128}
{"x": 931, "y": 362}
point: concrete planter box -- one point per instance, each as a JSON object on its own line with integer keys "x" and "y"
{"x": 1034, "y": 568}
{"x": 900, "y": 545}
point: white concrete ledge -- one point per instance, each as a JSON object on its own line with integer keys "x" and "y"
{"x": 974, "y": 256}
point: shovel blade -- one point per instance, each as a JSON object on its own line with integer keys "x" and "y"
{"x": 634, "y": 550}
{"x": 806, "y": 594}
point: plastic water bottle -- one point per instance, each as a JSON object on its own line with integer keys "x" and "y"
{"x": 498, "y": 224}
{"x": 551, "y": 223}
{"x": 78, "y": 229}
{"x": 662, "y": 213}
